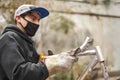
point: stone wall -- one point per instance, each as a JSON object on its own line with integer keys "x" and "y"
{"x": 97, "y": 20}
{"x": 87, "y": 18}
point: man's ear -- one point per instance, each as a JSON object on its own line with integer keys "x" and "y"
{"x": 17, "y": 18}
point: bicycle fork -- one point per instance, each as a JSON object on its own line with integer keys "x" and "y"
{"x": 97, "y": 58}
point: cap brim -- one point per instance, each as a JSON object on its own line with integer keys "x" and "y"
{"x": 42, "y": 11}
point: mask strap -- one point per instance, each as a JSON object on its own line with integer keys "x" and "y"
{"x": 21, "y": 23}
{"x": 25, "y": 19}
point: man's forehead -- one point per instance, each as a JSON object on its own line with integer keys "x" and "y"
{"x": 36, "y": 14}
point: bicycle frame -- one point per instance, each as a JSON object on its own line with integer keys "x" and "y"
{"x": 98, "y": 58}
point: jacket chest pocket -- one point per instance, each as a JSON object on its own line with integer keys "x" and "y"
{"x": 31, "y": 54}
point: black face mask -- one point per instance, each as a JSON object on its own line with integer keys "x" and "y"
{"x": 30, "y": 28}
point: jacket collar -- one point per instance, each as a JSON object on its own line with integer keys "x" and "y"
{"x": 15, "y": 29}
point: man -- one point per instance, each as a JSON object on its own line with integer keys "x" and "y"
{"x": 18, "y": 57}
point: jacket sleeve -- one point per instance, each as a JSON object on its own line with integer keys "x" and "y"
{"x": 15, "y": 66}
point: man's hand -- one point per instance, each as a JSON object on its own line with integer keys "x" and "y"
{"x": 59, "y": 62}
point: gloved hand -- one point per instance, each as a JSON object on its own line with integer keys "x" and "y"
{"x": 59, "y": 62}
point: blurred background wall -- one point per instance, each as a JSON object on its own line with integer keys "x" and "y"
{"x": 69, "y": 22}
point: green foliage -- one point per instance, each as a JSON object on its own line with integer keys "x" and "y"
{"x": 106, "y": 2}
{"x": 63, "y": 76}
{"x": 62, "y": 23}
{"x": 1, "y": 28}
{"x": 9, "y": 6}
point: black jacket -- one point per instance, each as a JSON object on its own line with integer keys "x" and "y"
{"x": 18, "y": 57}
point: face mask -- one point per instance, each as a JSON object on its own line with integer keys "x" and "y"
{"x": 31, "y": 28}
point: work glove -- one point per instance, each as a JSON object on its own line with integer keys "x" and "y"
{"x": 60, "y": 62}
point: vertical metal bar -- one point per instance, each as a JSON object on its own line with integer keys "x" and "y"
{"x": 101, "y": 60}
{"x": 99, "y": 53}
{"x": 104, "y": 70}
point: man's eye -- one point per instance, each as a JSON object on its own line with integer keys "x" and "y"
{"x": 33, "y": 19}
